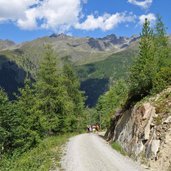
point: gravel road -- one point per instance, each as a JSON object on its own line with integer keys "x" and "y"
{"x": 89, "y": 152}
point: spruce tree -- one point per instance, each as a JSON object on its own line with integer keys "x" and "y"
{"x": 162, "y": 54}
{"x": 4, "y": 121}
{"x": 54, "y": 101}
{"x": 30, "y": 130}
{"x": 161, "y": 43}
{"x": 73, "y": 89}
{"x": 144, "y": 68}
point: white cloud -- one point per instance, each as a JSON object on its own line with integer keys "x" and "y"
{"x": 144, "y": 4}
{"x": 49, "y": 14}
{"x": 151, "y": 17}
{"x": 14, "y": 9}
{"x": 61, "y": 15}
{"x": 105, "y": 22}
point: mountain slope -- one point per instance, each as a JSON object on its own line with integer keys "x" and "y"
{"x": 144, "y": 131}
{"x": 6, "y": 44}
{"x": 81, "y": 50}
{"x": 96, "y": 77}
{"x": 95, "y": 60}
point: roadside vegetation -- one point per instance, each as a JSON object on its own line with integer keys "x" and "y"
{"x": 149, "y": 74}
{"x": 45, "y": 156}
{"x": 118, "y": 148}
{"x": 42, "y": 113}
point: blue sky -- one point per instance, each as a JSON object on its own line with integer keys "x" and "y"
{"x": 25, "y": 20}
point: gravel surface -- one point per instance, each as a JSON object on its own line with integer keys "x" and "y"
{"x": 89, "y": 152}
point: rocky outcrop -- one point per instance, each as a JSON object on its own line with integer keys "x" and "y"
{"x": 144, "y": 131}
{"x": 5, "y": 44}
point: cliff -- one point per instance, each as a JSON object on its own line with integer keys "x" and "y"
{"x": 144, "y": 131}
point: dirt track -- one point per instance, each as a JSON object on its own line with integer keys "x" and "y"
{"x": 89, "y": 152}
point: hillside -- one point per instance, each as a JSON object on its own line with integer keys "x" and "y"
{"x": 81, "y": 50}
{"x": 97, "y": 76}
{"x": 6, "y": 44}
{"x": 144, "y": 131}
{"x": 95, "y": 60}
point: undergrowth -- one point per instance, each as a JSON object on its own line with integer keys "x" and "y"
{"x": 118, "y": 148}
{"x": 44, "y": 157}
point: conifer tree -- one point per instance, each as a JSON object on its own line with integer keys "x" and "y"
{"x": 31, "y": 126}
{"x": 144, "y": 68}
{"x": 111, "y": 101}
{"x": 4, "y": 121}
{"x": 161, "y": 43}
{"x": 73, "y": 88}
{"x": 162, "y": 54}
{"x": 54, "y": 101}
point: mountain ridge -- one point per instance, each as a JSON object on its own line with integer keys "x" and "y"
{"x": 97, "y": 61}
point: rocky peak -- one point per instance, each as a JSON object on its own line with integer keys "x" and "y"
{"x": 110, "y": 37}
{"x": 114, "y": 39}
{"x": 134, "y": 38}
{"x": 94, "y": 43}
{"x": 6, "y": 44}
{"x": 59, "y": 36}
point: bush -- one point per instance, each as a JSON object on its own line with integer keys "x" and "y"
{"x": 118, "y": 148}
{"x": 162, "y": 79}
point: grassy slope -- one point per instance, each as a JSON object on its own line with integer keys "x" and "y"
{"x": 95, "y": 77}
{"x": 44, "y": 157}
{"x": 115, "y": 66}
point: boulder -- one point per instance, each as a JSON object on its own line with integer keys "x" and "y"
{"x": 168, "y": 120}
{"x": 149, "y": 112}
{"x": 155, "y": 147}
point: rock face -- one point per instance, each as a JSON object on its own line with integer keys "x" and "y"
{"x": 145, "y": 131}
{"x": 4, "y": 44}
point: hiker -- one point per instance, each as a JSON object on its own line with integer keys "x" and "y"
{"x": 97, "y": 127}
{"x": 94, "y": 128}
{"x": 89, "y": 128}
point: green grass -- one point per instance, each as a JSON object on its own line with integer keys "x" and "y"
{"x": 44, "y": 157}
{"x": 118, "y": 148}
{"x": 99, "y": 75}
{"x": 116, "y": 66}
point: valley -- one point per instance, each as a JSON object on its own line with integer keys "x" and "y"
{"x": 97, "y": 62}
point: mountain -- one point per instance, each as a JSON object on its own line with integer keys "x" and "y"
{"x": 6, "y": 44}
{"x": 96, "y": 60}
{"x": 81, "y": 50}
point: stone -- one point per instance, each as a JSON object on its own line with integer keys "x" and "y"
{"x": 139, "y": 147}
{"x": 147, "y": 110}
{"x": 150, "y": 112}
{"x": 155, "y": 147}
{"x": 168, "y": 120}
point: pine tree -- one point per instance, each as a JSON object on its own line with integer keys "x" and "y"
{"x": 73, "y": 89}
{"x": 111, "y": 101}
{"x": 54, "y": 101}
{"x": 162, "y": 53}
{"x": 161, "y": 43}
{"x": 144, "y": 68}
{"x": 30, "y": 129}
{"x": 4, "y": 121}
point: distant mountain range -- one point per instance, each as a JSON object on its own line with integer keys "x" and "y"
{"x": 96, "y": 60}
{"x": 81, "y": 50}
